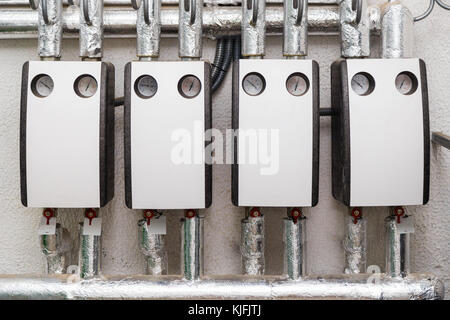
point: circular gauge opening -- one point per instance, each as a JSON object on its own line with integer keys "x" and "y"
{"x": 254, "y": 84}
{"x": 406, "y": 83}
{"x": 189, "y": 86}
{"x": 42, "y": 85}
{"x": 145, "y": 86}
{"x": 297, "y": 84}
{"x": 363, "y": 83}
{"x": 85, "y": 86}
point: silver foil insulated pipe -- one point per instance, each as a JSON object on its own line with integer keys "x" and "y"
{"x": 252, "y": 245}
{"x": 50, "y": 29}
{"x": 148, "y": 29}
{"x": 295, "y": 31}
{"x": 294, "y": 247}
{"x": 89, "y": 258}
{"x": 153, "y": 248}
{"x": 91, "y": 29}
{"x": 397, "y": 249}
{"x": 397, "y": 31}
{"x": 55, "y": 247}
{"x": 355, "y": 243}
{"x": 253, "y": 28}
{"x": 192, "y": 247}
{"x": 190, "y": 29}
{"x": 355, "y": 36}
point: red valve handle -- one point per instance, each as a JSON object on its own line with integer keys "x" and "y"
{"x": 191, "y": 213}
{"x": 399, "y": 212}
{"x": 356, "y": 214}
{"x": 296, "y": 214}
{"x": 148, "y": 215}
{"x": 90, "y": 214}
{"x": 48, "y": 214}
{"x": 255, "y": 212}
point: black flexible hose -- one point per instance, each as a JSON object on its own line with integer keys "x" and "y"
{"x": 223, "y": 69}
{"x": 218, "y": 59}
{"x": 237, "y": 48}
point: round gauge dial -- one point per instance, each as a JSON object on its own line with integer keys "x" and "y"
{"x": 363, "y": 84}
{"x": 406, "y": 83}
{"x": 297, "y": 84}
{"x": 42, "y": 85}
{"x": 253, "y": 84}
{"x": 85, "y": 86}
{"x": 189, "y": 86}
{"x": 145, "y": 86}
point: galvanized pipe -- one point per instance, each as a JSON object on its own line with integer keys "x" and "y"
{"x": 192, "y": 247}
{"x": 190, "y": 29}
{"x": 253, "y": 28}
{"x": 55, "y": 247}
{"x": 295, "y": 32}
{"x": 355, "y": 245}
{"x": 148, "y": 29}
{"x": 355, "y": 37}
{"x": 89, "y": 258}
{"x": 294, "y": 247}
{"x": 252, "y": 245}
{"x": 413, "y": 287}
{"x": 153, "y": 248}
{"x": 91, "y": 29}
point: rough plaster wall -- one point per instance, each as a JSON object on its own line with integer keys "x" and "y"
{"x": 19, "y": 249}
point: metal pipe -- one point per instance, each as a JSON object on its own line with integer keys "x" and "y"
{"x": 294, "y": 248}
{"x": 355, "y": 37}
{"x": 355, "y": 242}
{"x": 153, "y": 248}
{"x": 190, "y": 29}
{"x": 148, "y": 29}
{"x": 397, "y": 249}
{"x": 252, "y": 243}
{"x": 295, "y": 32}
{"x": 253, "y": 28}
{"x": 192, "y": 247}
{"x": 413, "y": 287}
{"x": 89, "y": 259}
{"x": 50, "y": 29}
{"x": 217, "y": 21}
{"x": 91, "y": 29}
{"x": 55, "y": 248}
{"x": 397, "y": 31}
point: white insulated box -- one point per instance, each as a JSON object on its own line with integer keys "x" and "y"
{"x": 380, "y": 132}
{"x": 67, "y": 134}
{"x": 167, "y": 111}
{"x": 276, "y": 141}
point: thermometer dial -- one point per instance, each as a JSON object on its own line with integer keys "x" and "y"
{"x": 406, "y": 83}
{"x": 253, "y": 84}
{"x": 146, "y": 86}
{"x": 297, "y": 84}
{"x": 189, "y": 86}
{"x": 363, "y": 84}
{"x": 85, "y": 86}
{"x": 42, "y": 86}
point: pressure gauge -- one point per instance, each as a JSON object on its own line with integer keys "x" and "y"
{"x": 85, "y": 86}
{"x": 363, "y": 84}
{"x": 145, "y": 86}
{"x": 297, "y": 84}
{"x": 189, "y": 86}
{"x": 42, "y": 85}
{"x": 254, "y": 84}
{"x": 406, "y": 83}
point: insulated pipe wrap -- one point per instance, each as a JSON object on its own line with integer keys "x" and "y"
{"x": 91, "y": 36}
{"x": 252, "y": 245}
{"x": 253, "y": 32}
{"x": 192, "y": 247}
{"x": 293, "y": 240}
{"x": 89, "y": 255}
{"x": 153, "y": 248}
{"x": 355, "y": 38}
{"x": 190, "y": 29}
{"x": 355, "y": 245}
{"x": 54, "y": 247}
{"x": 397, "y": 249}
{"x": 148, "y": 35}
{"x": 50, "y": 35}
{"x": 295, "y": 31}
{"x": 397, "y": 31}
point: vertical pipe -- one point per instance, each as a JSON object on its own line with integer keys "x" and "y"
{"x": 89, "y": 259}
{"x": 355, "y": 37}
{"x": 192, "y": 246}
{"x": 253, "y": 28}
{"x": 153, "y": 248}
{"x": 294, "y": 233}
{"x": 148, "y": 27}
{"x": 397, "y": 247}
{"x": 252, "y": 243}
{"x": 55, "y": 248}
{"x": 50, "y": 30}
{"x": 355, "y": 242}
{"x": 295, "y": 30}
{"x": 91, "y": 29}
{"x": 190, "y": 29}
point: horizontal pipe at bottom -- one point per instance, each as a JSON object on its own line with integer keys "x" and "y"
{"x": 414, "y": 286}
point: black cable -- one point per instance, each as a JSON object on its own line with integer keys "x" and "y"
{"x": 218, "y": 59}
{"x": 223, "y": 69}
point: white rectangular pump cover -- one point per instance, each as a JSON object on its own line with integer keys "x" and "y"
{"x": 165, "y": 161}
{"x": 277, "y": 150}
{"x": 380, "y": 140}
{"x": 67, "y": 140}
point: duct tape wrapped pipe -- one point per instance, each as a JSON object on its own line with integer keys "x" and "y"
{"x": 148, "y": 29}
{"x": 153, "y": 248}
{"x": 295, "y": 40}
{"x": 55, "y": 248}
{"x": 294, "y": 247}
{"x": 355, "y": 245}
{"x": 253, "y": 28}
{"x": 190, "y": 29}
{"x": 252, "y": 245}
{"x": 91, "y": 29}
{"x": 89, "y": 255}
{"x": 50, "y": 29}
{"x": 192, "y": 247}
{"x": 355, "y": 37}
